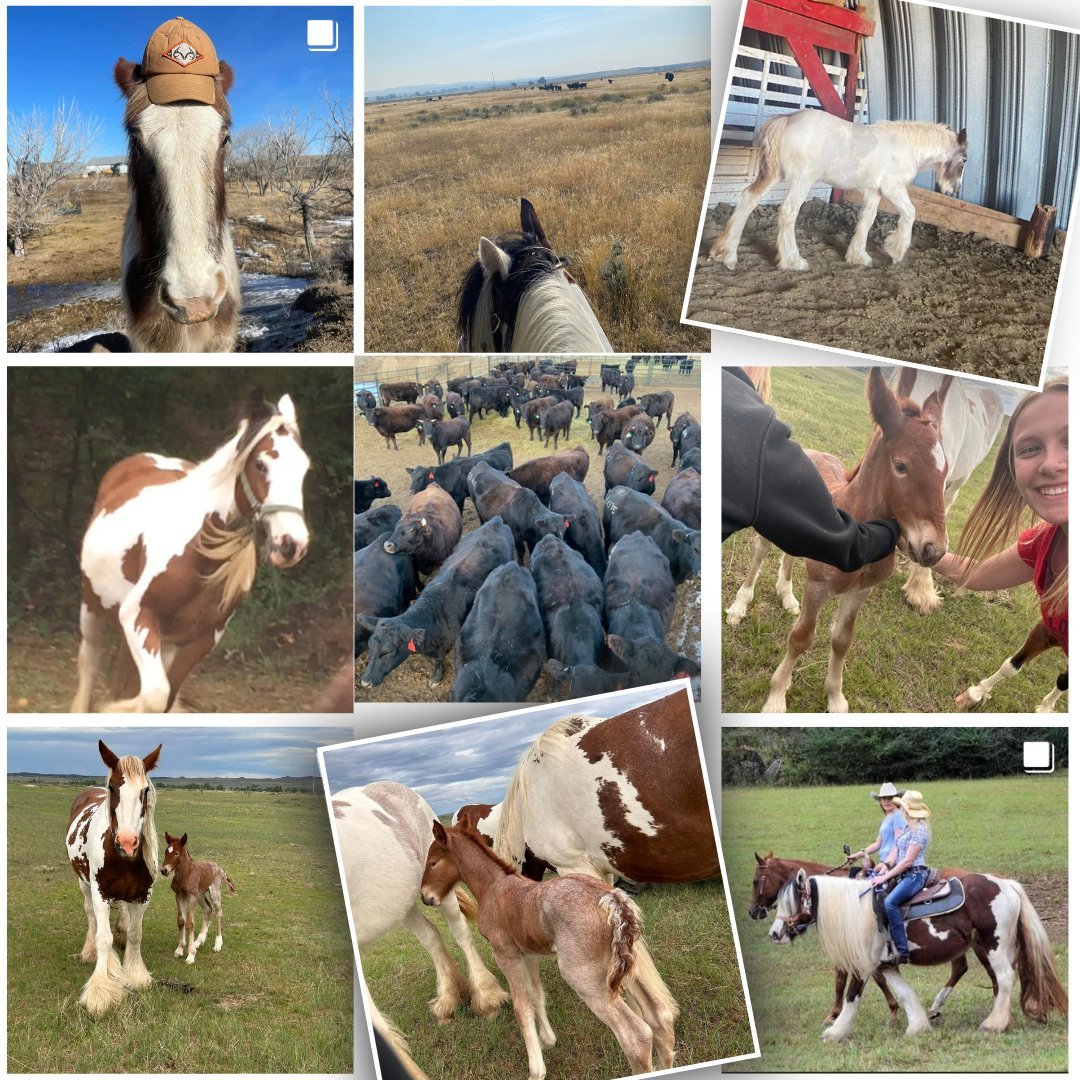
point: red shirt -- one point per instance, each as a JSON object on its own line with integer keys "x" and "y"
{"x": 1034, "y": 548}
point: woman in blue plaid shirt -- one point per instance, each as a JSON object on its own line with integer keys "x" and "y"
{"x": 908, "y": 863}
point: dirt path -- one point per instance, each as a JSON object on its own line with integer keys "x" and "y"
{"x": 956, "y": 301}
{"x": 410, "y": 682}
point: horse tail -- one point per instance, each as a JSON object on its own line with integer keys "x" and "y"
{"x": 769, "y": 169}
{"x": 1041, "y": 990}
{"x": 228, "y": 881}
{"x": 395, "y": 1041}
{"x": 624, "y": 918}
{"x": 466, "y": 903}
{"x": 645, "y": 974}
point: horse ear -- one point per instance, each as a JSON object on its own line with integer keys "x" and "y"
{"x": 183, "y": 840}
{"x": 769, "y": 854}
{"x": 254, "y": 404}
{"x": 935, "y": 403}
{"x": 961, "y": 137}
{"x": 127, "y": 74}
{"x": 438, "y": 831}
{"x": 225, "y": 77}
{"x": 287, "y": 409}
{"x": 530, "y": 223}
{"x": 107, "y": 755}
{"x": 883, "y": 408}
{"x": 758, "y": 859}
{"x": 906, "y": 383}
{"x": 800, "y": 877}
{"x": 494, "y": 261}
{"x": 150, "y": 761}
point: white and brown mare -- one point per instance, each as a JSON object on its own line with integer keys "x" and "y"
{"x": 383, "y": 831}
{"x": 112, "y": 847}
{"x": 172, "y": 547}
{"x": 880, "y": 159}
{"x": 195, "y": 884}
{"x": 519, "y": 296}
{"x": 180, "y": 279}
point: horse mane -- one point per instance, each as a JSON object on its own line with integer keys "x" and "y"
{"x": 926, "y": 139}
{"x": 132, "y": 768}
{"x": 847, "y": 925}
{"x": 542, "y": 317}
{"x": 466, "y": 829}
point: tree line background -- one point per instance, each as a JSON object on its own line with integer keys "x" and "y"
{"x": 68, "y": 426}
{"x": 808, "y": 757}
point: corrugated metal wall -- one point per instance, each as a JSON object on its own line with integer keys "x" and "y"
{"x": 1015, "y": 88}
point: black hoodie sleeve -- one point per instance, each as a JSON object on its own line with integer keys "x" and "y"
{"x": 769, "y": 484}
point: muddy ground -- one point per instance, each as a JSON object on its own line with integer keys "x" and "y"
{"x": 957, "y": 301}
{"x": 411, "y": 681}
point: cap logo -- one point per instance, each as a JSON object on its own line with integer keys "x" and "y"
{"x": 183, "y": 54}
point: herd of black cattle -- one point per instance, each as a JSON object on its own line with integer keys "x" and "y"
{"x": 598, "y": 598}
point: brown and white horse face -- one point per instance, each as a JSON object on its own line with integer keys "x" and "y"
{"x": 912, "y": 468}
{"x": 765, "y": 888}
{"x": 177, "y": 226}
{"x": 793, "y": 910}
{"x": 441, "y": 871}
{"x": 950, "y": 172}
{"x": 129, "y": 792}
{"x": 175, "y": 846}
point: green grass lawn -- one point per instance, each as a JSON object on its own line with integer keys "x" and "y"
{"x": 929, "y": 659}
{"x": 277, "y": 998}
{"x": 1015, "y": 827}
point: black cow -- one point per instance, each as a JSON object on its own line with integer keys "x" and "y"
{"x": 609, "y": 376}
{"x": 383, "y": 586}
{"x": 433, "y": 386}
{"x": 571, "y": 599}
{"x": 626, "y": 384}
{"x": 495, "y": 495}
{"x": 658, "y": 403}
{"x": 596, "y": 406}
{"x": 532, "y": 410}
{"x": 556, "y": 421}
{"x": 432, "y": 405}
{"x": 682, "y": 499}
{"x": 394, "y": 420}
{"x": 452, "y": 475}
{"x": 431, "y": 624}
{"x": 684, "y": 423}
{"x": 607, "y": 425}
{"x": 501, "y": 651}
{"x": 365, "y": 400}
{"x": 455, "y": 407}
{"x": 639, "y": 604}
{"x": 574, "y": 394}
{"x": 428, "y": 531}
{"x": 489, "y": 397}
{"x": 638, "y": 433}
{"x": 583, "y": 533}
{"x": 539, "y": 473}
{"x": 370, "y": 523}
{"x": 691, "y": 459}
{"x": 444, "y": 433}
{"x": 365, "y": 492}
{"x": 624, "y": 468}
{"x": 627, "y": 511}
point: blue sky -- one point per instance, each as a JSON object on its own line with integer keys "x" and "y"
{"x": 405, "y": 46}
{"x": 468, "y": 763}
{"x": 255, "y": 752}
{"x": 266, "y": 47}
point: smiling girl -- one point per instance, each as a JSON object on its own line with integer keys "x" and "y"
{"x": 1029, "y": 482}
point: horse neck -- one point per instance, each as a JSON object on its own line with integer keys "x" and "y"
{"x": 478, "y": 869}
{"x": 183, "y": 868}
{"x": 555, "y": 317}
{"x": 861, "y": 495}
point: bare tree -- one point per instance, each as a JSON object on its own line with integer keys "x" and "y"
{"x": 338, "y": 131}
{"x": 252, "y": 159}
{"x": 42, "y": 153}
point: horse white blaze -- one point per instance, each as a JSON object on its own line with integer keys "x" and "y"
{"x": 183, "y": 142}
{"x": 286, "y": 465}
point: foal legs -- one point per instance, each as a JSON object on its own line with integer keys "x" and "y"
{"x": 512, "y": 964}
{"x": 649, "y": 993}
{"x": 843, "y": 630}
{"x": 726, "y": 246}
{"x": 787, "y": 250}
{"x": 799, "y": 640}
{"x": 856, "y": 252}
{"x": 536, "y": 992}
{"x": 897, "y": 242}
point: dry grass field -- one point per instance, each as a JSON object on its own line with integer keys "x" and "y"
{"x": 620, "y": 164}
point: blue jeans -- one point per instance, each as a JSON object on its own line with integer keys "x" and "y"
{"x": 911, "y": 881}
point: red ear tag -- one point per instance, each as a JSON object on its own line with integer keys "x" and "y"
{"x": 431, "y": 476}
{"x": 651, "y": 479}
{"x": 412, "y": 645}
{"x": 566, "y": 523}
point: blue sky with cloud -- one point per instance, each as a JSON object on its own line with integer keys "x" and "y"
{"x": 471, "y": 762}
{"x": 255, "y": 752}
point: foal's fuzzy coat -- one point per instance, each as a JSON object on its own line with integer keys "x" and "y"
{"x": 593, "y": 930}
{"x": 193, "y": 883}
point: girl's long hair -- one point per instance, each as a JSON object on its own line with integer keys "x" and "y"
{"x": 1000, "y": 514}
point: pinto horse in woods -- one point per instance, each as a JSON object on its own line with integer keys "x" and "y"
{"x": 880, "y": 159}
{"x": 901, "y": 476}
{"x": 171, "y": 550}
{"x": 383, "y": 832}
{"x": 180, "y": 280}
{"x": 195, "y": 884}
{"x": 593, "y": 930}
{"x": 771, "y": 874}
{"x": 519, "y": 297}
{"x": 622, "y": 797}
{"x": 996, "y": 919}
{"x": 112, "y": 847}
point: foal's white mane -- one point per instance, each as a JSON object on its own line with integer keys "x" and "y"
{"x": 133, "y": 770}
{"x": 929, "y": 142}
{"x": 847, "y": 925}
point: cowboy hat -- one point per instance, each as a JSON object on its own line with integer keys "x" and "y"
{"x": 912, "y": 804}
{"x": 887, "y": 791}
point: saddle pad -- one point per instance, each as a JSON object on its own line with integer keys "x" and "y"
{"x": 948, "y": 897}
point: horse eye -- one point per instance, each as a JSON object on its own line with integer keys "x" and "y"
{"x": 261, "y": 466}
{"x": 900, "y": 467}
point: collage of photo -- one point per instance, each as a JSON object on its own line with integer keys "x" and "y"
{"x": 543, "y": 820}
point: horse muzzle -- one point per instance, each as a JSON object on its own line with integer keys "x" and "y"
{"x": 928, "y": 553}
{"x": 758, "y": 912}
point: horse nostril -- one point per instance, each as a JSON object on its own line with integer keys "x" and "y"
{"x": 288, "y": 547}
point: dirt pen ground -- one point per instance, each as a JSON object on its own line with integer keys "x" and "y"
{"x": 899, "y": 661}
{"x": 410, "y": 681}
{"x": 791, "y": 986}
{"x": 620, "y": 164}
{"x": 957, "y": 301}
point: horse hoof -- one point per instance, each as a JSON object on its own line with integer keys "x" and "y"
{"x": 190, "y": 960}
{"x": 966, "y": 700}
{"x": 734, "y": 617}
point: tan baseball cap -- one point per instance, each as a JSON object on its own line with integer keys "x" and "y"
{"x": 179, "y": 64}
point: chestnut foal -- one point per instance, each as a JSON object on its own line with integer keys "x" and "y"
{"x": 593, "y": 930}
{"x": 194, "y": 883}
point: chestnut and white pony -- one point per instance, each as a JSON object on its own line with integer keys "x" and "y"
{"x": 180, "y": 279}
{"x": 519, "y": 297}
{"x": 383, "y": 831}
{"x": 112, "y": 847}
{"x": 880, "y": 159}
{"x": 171, "y": 551}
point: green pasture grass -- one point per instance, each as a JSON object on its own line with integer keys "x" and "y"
{"x": 688, "y": 931}
{"x": 1015, "y": 826}
{"x": 277, "y": 998}
{"x": 899, "y": 661}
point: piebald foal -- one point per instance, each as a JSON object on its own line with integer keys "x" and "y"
{"x": 593, "y": 930}
{"x": 902, "y": 476}
{"x": 193, "y": 883}
{"x": 180, "y": 279}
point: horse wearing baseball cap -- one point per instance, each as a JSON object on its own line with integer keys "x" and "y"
{"x": 170, "y": 551}
{"x": 180, "y": 279}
